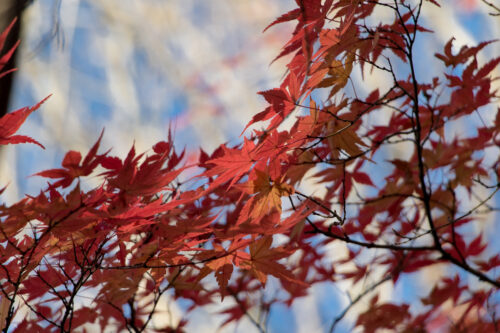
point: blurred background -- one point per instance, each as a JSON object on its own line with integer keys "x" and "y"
{"x": 136, "y": 68}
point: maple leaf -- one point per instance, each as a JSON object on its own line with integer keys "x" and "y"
{"x": 385, "y": 315}
{"x": 492, "y": 262}
{"x": 281, "y": 101}
{"x": 223, "y": 268}
{"x": 343, "y": 137}
{"x": 267, "y": 197}
{"x": 4, "y": 309}
{"x": 11, "y": 122}
{"x": 291, "y": 15}
{"x": 72, "y": 168}
{"x": 146, "y": 178}
{"x": 338, "y": 72}
{"x": 136, "y": 236}
{"x": 8, "y": 55}
{"x": 232, "y": 165}
{"x": 450, "y": 289}
{"x": 462, "y": 56}
{"x": 235, "y": 312}
{"x": 263, "y": 261}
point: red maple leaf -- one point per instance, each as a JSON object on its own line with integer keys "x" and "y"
{"x": 11, "y": 122}
{"x": 72, "y": 168}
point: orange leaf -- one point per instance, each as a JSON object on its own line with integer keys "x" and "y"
{"x": 4, "y": 310}
{"x": 267, "y": 198}
{"x": 223, "y": 275}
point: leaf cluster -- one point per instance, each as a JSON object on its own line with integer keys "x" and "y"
{"x": 389, "y": 183}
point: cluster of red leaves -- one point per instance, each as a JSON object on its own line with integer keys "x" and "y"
{"x": 144, "y": 232}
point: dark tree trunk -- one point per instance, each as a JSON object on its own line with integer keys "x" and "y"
{"x": 9, "y": 9}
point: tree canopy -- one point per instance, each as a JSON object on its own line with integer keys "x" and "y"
{"x": 334, "y": 182}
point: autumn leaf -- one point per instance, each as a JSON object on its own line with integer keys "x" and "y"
{"x": 72, "y": 168}
{"x": 4, "y": 59}
{"x": 291, "y": 15}
{"x": 146, "y": 231}
{"x": 263, "y": 261}
{"x": 463, "y": 55}
{"x": 4, "y": 308}
{"x": 231, "y": 166}
{"x": 343, "y": 137}
{"x": 223, "y": 268}
{"x": 11, "y": 122}
{"x": 449, "y": 289}
{"x": 385, "y": 315}
{"x": 266, "y": 199}
{"x": 146, "y": 178}
{"x": 339, "y": 74}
